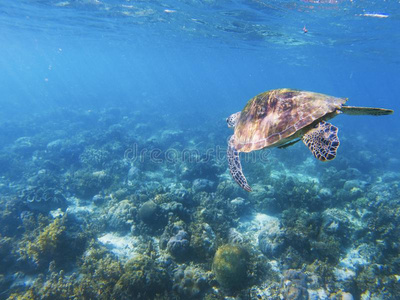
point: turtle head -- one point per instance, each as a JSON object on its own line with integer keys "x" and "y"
{"x": 233, "y": 119}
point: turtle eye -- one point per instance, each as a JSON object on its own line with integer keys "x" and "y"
{"x": 229, "y": 121}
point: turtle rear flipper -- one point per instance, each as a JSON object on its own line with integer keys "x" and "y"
{"x": 322, "y": 141}
{"x": 354, "y": 110}
{"x": 235, "y": 166}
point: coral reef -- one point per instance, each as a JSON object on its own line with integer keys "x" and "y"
{"x": 178, "y": 245}
{"x": 86, "y": 215}
{"x": 272, "y": 240}
{"x": 60, "y": 242}
{"x": 294, "y": 285}
{"x": 203, "y": 240}
{"x": 47, "y": 245}
{"x": 120, "y": 216}
{"x": 142, "y": 278}
{"x": 230, "y": 266}
{"x": 190, "y": 282}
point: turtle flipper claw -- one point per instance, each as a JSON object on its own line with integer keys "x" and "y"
{"x": 322, "y": 141}
{"x": 235, "y": 166}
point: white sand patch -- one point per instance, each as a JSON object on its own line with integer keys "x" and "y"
{"x": 124, "y": 247}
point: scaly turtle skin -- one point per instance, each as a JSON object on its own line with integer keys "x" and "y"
{"x": 280, "y": 118}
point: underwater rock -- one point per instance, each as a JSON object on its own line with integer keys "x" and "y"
{"x": 179, "y": 244}
{"x": 272, "y": 240}
{"x": 294, "y": 285}
{"x": 152, "y": 214}
{"x": 120, "y": 216}
{"x": 230, "y": 266}
{"x": 189, "y": 281}
{"x": 148, "y": 211}
{"x": 202, "y": 185}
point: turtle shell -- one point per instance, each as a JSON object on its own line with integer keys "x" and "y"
{"x": 273, "y": 116}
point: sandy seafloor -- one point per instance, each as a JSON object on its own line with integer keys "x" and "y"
{"x": 114, "y": 182}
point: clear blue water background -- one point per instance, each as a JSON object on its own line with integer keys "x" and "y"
{"x": 200, "y": 59}
{"x": 66, "y": 65}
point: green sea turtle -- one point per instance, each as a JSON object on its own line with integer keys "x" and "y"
{"x": 282, "y": 117}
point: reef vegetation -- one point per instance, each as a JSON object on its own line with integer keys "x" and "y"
{"x": 88, "y": 210}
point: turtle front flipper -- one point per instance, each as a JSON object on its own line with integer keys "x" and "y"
{"x": 322, "y": 141}
{"x": 235, "y": 167}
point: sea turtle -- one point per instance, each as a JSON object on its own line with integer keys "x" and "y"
{"x": 281, "y": 118}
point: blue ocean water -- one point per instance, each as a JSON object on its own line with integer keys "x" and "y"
{"x": 85, "y": 82}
